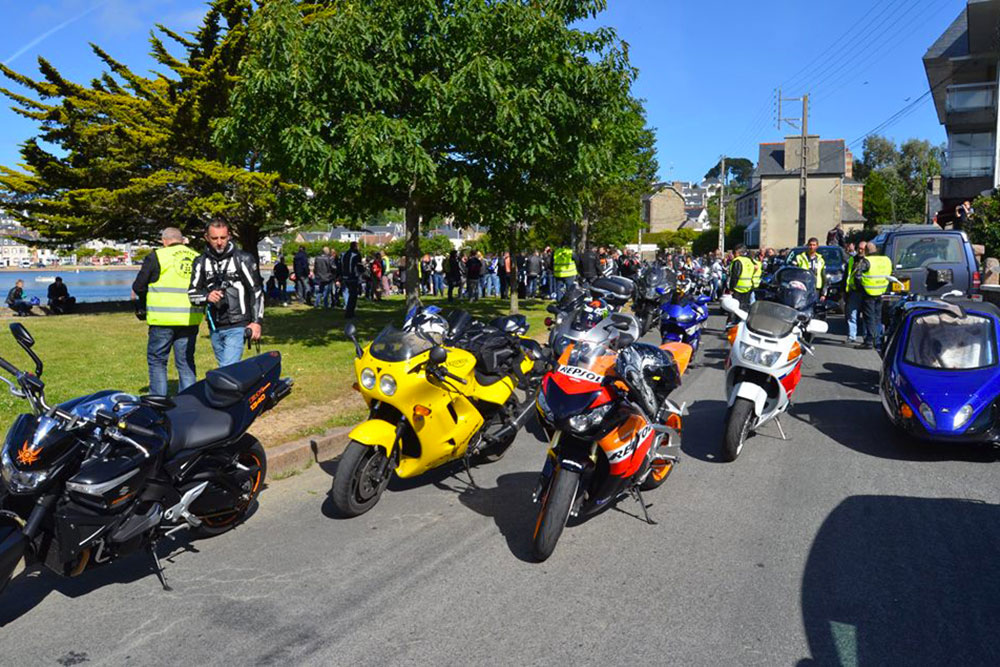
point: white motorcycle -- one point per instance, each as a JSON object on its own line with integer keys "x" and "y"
{"x": 764, "y": 366}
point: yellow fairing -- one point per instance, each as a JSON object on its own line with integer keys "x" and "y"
{"x": 442, "y": 415}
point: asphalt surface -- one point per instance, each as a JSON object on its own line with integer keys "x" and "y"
{"x": 845, "y": 544}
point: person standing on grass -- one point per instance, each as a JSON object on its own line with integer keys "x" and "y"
{"x": 161, "y": 287}
{"x": 300, "y": 266}
{"x": 323, "y": 270}
{"x": 280, "y": 273}
{"x": 353, "y": 268}
{"x": 227, "y": 281}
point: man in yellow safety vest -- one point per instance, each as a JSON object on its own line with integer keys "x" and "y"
{"x": 162, "y": 291}
{"x": 564, "y": 270}
{"x": 741, "y": 276}
{"x": 812, "y": 261}
{"x": 872, "y": 273}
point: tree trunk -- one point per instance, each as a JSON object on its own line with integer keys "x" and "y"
{"x": 512, "y": 277}
{"x": 581, "y": 240}
{"x": 249, "y": 237}
{"x": 412, "y": 251}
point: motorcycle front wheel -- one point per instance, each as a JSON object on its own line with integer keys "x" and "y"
{"x": 739, "y": 421}
{"x": 362, "y": 475}
{"x": 554, "y": 512}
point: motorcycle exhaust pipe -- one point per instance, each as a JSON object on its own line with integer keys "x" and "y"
{"x": 518, "y": 422}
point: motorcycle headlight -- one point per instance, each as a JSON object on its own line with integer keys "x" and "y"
{"x": 588, "y": 420}
{"x": 20, "y": 481}
{"x": 368, "y": 378}
{"x": 962, "y": 416}
{"x": 387, "y": 385}
{"x": 758, "y": 355}
{"x": 928, "y": 414}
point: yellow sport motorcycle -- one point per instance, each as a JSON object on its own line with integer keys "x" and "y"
{"x": 431, "y": 402}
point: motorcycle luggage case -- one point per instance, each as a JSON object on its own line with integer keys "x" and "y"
{"x": 614, "y": 289}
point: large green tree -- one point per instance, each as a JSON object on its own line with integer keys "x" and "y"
{"x": 126, "y": 154}
{"x": 738, "y": 170}
{"x": 896, "y": 178}
{"x": 496, "y": 112}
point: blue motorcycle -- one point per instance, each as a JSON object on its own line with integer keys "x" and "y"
{"x": 940, "y": 376}
{"x": 682, "y": 321}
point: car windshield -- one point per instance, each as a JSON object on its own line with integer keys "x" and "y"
{"x": 916, "y": 251}
{"x": 941, "y": 340}
{"x": 771, "y": 319}
{"x": 394, "y": 345}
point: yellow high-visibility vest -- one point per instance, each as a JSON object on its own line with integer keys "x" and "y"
{"x": 745, "y": 282}
{"x": 803, "y": 262}
{"x": 563, "y": 265}
{"x": 167, "y": 303}
{"x": 876, "y": 279}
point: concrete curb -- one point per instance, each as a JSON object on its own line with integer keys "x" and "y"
{"x": 292, "y": 457}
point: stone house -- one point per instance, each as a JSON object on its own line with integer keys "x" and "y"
{"x": 663, "y": 208}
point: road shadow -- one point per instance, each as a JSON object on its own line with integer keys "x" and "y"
{"x": 853, "y": 377}
{"x": 904, "y": 581}
{"x": 701, "y": 437}
{"x": 862, "y": 426}
{"x": 30, "y": 588}
{"x": 510, "y": 506}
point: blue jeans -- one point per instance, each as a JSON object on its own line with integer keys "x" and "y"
{"x": 324, "y": 296}
{"x": 485, "y": 283}
{"x": 437, "y": 280}
{"x": 852, "y": 306}
{"x": 228, "y": 345}
{"x": 161, "y": 340}
{"x": 563, "y": 285}
{"x": 532, "y": 286}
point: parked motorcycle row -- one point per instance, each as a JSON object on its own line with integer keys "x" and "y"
{"x": 102, "y": 476}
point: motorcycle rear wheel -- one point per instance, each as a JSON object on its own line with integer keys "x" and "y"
{"x": 253, "y": 457}
{"x": 357, "y": 485}
{"x": 554, "y": 512}
{"x": 739, "y": 422}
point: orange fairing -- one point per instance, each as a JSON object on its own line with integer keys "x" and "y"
{"x": 626, "y": 446}
{"x": 681, "y": 353}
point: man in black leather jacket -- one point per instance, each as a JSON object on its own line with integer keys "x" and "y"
{"x": 228, "y": 281}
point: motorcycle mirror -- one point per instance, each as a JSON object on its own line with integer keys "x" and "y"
{"x": 817, "y": 326}
{"x": 351, "y": 331}
{"x": 552, "y": 308}
{"x": 25, "y": 340}
{"x": 438, "y": 355}
{"x": 21, "y": 334}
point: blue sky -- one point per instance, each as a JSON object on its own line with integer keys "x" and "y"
{"x": 707, "y": 69}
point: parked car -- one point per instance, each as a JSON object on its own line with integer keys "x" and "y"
{"x": 929, "y": 260}
{"x": 835, "y": 258}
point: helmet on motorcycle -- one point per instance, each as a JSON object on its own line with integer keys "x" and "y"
{"x": 591, "y": 315}
{"x": 427, "y": 323}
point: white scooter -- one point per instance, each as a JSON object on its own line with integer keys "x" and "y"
{"x": 764, "y": 366}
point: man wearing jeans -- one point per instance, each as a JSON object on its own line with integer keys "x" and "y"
{"x": 161, "y": 288}
{"x": 228, "y": 281}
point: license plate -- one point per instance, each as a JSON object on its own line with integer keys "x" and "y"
{"x": 905, "y": 287}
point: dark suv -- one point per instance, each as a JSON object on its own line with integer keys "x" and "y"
{"x": 930, "y": 260}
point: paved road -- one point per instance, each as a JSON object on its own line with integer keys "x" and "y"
{"x": 842, "y": 545}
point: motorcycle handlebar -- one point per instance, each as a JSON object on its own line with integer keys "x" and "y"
{"x": 9, "y": 367}
{"x": 138, "y": 430}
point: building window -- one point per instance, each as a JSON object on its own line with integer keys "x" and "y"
{"x": 971, "y": 97}
{"x": 969, "y": 155}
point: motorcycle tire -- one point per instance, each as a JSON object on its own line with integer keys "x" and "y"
{"x": 253, "y": 456}
{"x": 739, "y": 423}
{"x": 355, "y": 488}
{"x": 554, "y": 512}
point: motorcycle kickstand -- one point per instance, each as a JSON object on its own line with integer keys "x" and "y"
{"x": 157, "y": 568}
{"x": 637, "y": 494}
{"x": 780, "y": 430}
{"x": 468, "y": 467}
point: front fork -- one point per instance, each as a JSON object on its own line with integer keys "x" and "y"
{"x": 551, "y": 461}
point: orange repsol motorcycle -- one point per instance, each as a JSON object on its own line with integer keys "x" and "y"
{"x": 612, "y": 430}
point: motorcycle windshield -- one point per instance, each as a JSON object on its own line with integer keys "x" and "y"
{"x": 393, "y": 345}
{"x": 942, "y": 341}
{"x": 771, "y": 319}
{"x": 587, "y": 350}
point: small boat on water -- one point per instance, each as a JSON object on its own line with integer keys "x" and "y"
{"x": 45, "y": 279}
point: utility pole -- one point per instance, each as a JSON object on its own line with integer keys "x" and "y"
{"x": 722, "y": 208}
{"x": 804, "y": 162}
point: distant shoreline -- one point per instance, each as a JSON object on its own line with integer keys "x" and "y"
{"x": 70, "y": 268}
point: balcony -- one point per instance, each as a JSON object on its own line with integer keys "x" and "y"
{"x": 971, "y": 106}
{"x": 968, "y": 163}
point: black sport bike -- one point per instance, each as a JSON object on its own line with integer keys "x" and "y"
{"x": 104, "y": 475}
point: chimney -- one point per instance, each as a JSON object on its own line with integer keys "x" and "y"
{"x": 848, "y": 163}
{"x": 793, "y": 152}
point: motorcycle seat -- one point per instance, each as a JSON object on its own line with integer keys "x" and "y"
{"x": 194, "y": 425}
{"x": 228, "y": 385}
{"x": 487, "y": 379}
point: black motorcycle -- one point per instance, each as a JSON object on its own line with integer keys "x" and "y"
{"x": 104, "y": 475}
{"x": 654, "y": 288}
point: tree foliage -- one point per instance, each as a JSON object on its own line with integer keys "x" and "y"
{"x": 896, "y": 178}
{"x": 738, "y": 171}
{"x": 126, "y": 154}
{"x": 496, "y": 112}
{"x": 984, "y": 225}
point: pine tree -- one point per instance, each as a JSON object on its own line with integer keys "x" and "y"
{"x": 127, "y": 155}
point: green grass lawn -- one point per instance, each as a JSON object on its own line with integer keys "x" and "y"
{"x": 87, "y": 353}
